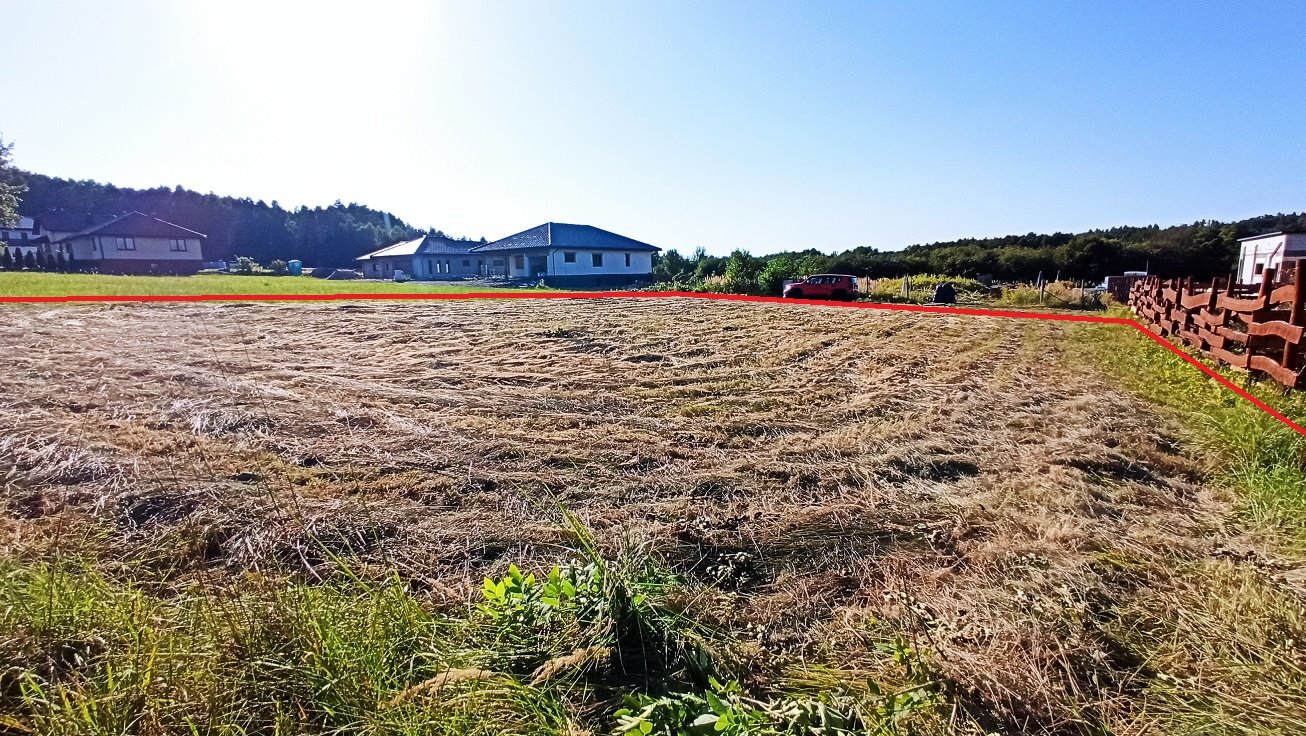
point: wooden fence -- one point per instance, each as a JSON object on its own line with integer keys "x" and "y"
{"x": 1253, "y": 328}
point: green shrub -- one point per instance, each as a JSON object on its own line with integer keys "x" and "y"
{"x": 922, "y": 288}
{"x": 1060, "y": 294}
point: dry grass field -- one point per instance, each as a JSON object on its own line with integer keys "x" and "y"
{"x": 927, "y": 523}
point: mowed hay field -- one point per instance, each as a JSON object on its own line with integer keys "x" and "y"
{"x": 748, "y": 518}
{"x": 26, "y": 284}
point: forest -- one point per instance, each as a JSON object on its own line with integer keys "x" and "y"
{"x": 337, "y": 234}
{"x": 1202, "y": 249}
{"x": 318, "y": 236}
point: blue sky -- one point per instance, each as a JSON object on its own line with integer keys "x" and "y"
{"x": 762, "y": 125}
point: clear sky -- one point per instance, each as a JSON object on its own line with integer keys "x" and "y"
{"x": 762, "y": 125}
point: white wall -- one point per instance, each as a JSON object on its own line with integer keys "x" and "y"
{"x": 516, "y": 271}
{"x": 147, "y": 249}
{"x": 22, "y": 235}
{"x": 614, "y": 262}
{"x": 1267, "y": 252}
{"x": 641, "y": 262}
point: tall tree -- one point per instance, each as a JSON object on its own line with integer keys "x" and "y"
{"x": 10, "y": 188}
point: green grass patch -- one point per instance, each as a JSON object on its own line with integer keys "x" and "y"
{"x": 1254, "y": 453}
{"x": 584, "y": 648}
{"x": 1222, "y": 642}
{"x": 593, "y": 645}
{"x": 1218, "y": 638}
{"x": 79, "y": 284}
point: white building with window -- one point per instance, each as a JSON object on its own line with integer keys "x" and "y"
{"x": 1270, "y": 250}
{"x": 19, "y": 237}
{"x": 134, "y": 243}
{"x": 573, "y": 256}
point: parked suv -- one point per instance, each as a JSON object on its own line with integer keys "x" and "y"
{"x": 823, "y": 286}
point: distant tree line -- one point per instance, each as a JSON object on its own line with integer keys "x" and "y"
{"x": 1203, "y": 250}
{"x": 336, "y": 235}
{"x": 318, "y": 236}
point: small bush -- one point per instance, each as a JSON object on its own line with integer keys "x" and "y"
{"x": 279, "y": 267}
{"x": 1060, "y": 294}
{"x": 922, "y": 288}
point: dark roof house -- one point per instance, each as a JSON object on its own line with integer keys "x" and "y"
{"x": 427, "y": 245}
{"x": 134, "y": 224}
{"x": 562, "y": 235}
{"x": 129, "y": 243}
{"x": 18, "y": 235}
{"x": 581, "y": 256}
{"x": 427, "y": 257}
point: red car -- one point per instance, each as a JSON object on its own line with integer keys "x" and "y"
{"x": 823, "y": 286}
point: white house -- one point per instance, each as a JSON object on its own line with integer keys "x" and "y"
{"x": 1270, "y": 250}
{"x": 134, "y": 243}
{"x": 19, "y": 237}
{"x": 430, "y": 257}
{"x": 573, "y": 256}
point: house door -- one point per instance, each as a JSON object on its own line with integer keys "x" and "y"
{"x": 539, "y": 266}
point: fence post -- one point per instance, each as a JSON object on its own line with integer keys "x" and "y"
{"x": 1294, "y": 318}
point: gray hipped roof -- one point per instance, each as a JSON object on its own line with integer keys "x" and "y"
{"x": 427, "y": 245}
{"x": 561, "y": 235}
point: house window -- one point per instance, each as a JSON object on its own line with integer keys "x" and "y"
{"x": 498, "y": 262}
{"x": 1259, "y": 268}
{"x": 177, "y": 245}
{"x": 568, "y": 257}
{"x": 466, "y": 263}
{"x": 124, "y": 243}
{"x": 519, "y": 261}
{"x": 598, "y": 259}
{"x": 627, "y": 260}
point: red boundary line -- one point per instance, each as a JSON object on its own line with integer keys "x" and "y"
{"x": 967, "y": 311}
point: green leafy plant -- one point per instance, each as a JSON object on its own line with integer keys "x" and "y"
{"x": 575, "y": 589}
{"x": 724, "y": 708}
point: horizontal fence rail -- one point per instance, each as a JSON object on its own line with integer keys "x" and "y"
{"x": 1254, "y": 328}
